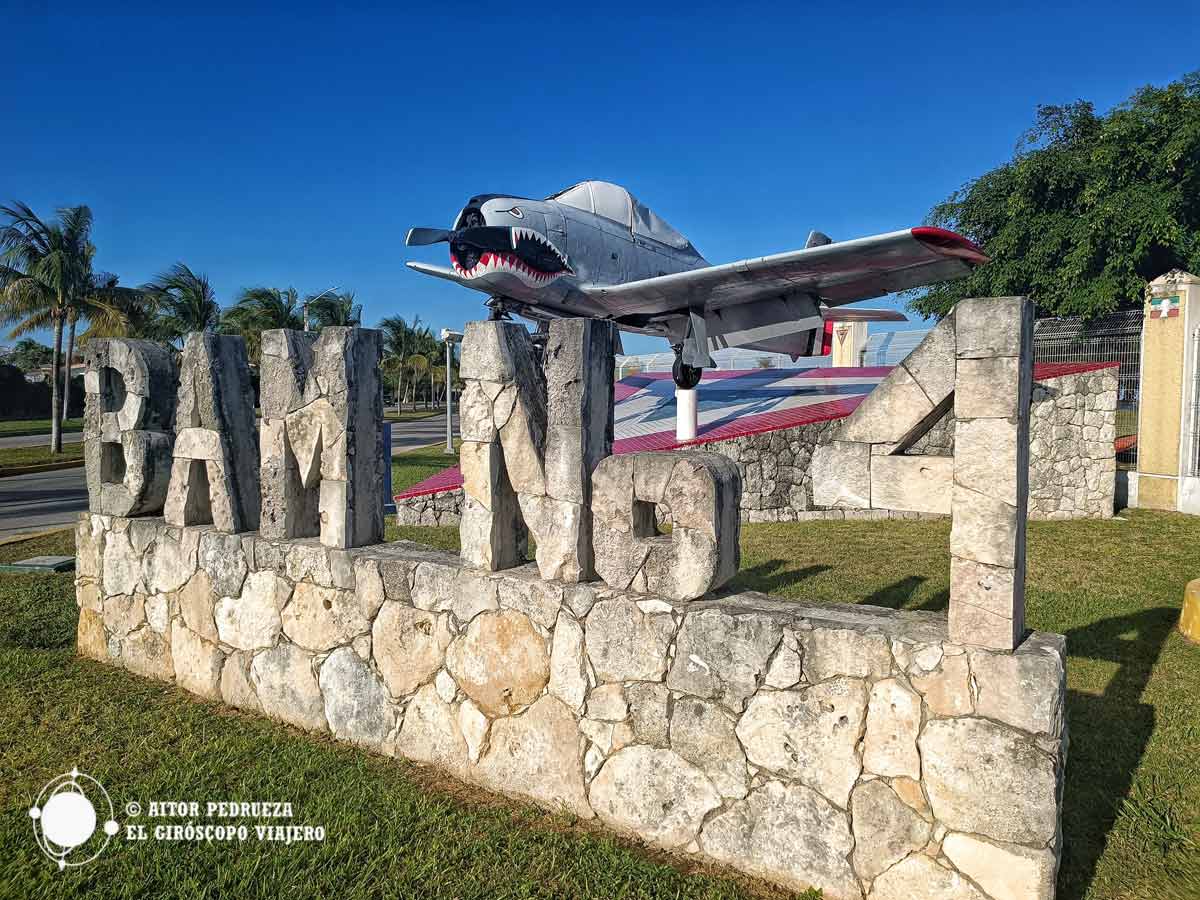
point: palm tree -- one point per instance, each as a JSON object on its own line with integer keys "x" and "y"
{"x": 334, "y": 309}
{"x": 398, "y": 340}
{"x": 183, "y": 301}
{"x": 437, "y": 379}
{"x": 99, "y": 301}
{"x": 418, "y": 364}
{"x": 115, "y": 311}
{"x": 259, "y": 309}
{"x": 44, "y": 267}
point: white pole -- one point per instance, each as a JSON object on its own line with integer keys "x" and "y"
{"x": 685, "y": 414}
{"x": 451, "y": 338}
{"x": 449, "y": 402}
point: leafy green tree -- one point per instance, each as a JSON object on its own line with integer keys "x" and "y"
{"x": 1089, "y": 209}
{"x": 44, "y": 268}
{"x": 29, "y": 355}
{"x": 259, "y": 309}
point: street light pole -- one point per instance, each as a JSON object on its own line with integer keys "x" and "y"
{"x": 450, "y": 338}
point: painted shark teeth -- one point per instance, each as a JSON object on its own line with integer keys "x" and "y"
{"x": 508, "y": 263}
{"x": 519, "y": 233}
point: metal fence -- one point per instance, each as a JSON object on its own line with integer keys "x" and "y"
{"x": 1116, "y": 337}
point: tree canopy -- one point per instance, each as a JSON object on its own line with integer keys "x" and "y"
{"x": 1089, "y": 209}
{"x": 28, "y": 355}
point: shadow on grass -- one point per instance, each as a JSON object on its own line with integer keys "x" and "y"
{"x": 1108, "y": 736}
{"x": 772, "y": 575}
{"x": 899, "y": 595}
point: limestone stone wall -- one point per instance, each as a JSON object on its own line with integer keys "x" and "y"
{"x": 1072, "y": 464}
{"x": 851, "y": 748}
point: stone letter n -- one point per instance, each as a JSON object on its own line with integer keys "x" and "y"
{"x": 214, "y": 479}
{"x": 528, "y": 453}
{"x": 322, "y": 436}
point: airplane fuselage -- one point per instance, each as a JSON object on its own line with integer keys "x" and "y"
{"x": 597, "y": 249}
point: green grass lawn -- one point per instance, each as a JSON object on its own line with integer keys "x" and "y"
{"x": 415, "y": 466}
{"x": 1131, "y": 826}
{"x": 17, "y": 427}
{"x": 16, "y": 457}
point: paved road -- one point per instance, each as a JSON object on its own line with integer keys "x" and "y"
{"x": 39, "y": 440}
{"x": 421, "y": 432}
{"x": 41, "y": 501}
{"x": 47, "y": 499}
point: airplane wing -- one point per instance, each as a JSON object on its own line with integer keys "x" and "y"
{"x": 837, "y": 273}
{"x": 442, "y": 272}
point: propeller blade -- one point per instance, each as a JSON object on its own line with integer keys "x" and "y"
{"x": 421, "y": 237}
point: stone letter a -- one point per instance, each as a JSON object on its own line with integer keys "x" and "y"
{"x": 214, "y": 478}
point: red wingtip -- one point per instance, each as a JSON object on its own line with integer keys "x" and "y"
{"x": 948, "y": 243}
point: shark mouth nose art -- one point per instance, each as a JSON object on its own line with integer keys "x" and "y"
{"x": 517, "y": 251}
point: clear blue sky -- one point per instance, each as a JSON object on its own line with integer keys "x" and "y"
{"x": 290, "y": 147}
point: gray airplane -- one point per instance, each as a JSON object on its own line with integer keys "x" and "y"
{"x": 593, "y": 250}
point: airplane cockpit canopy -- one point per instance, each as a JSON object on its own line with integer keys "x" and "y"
{"x": 614, "y": 202}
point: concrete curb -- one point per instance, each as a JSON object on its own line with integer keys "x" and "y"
{"x": 32, "y": 535}
{"x": 41, "y": 467}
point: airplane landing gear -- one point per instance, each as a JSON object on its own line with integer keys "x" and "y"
{"x": 498, "y": 309}
{"x": 686, "y": 377}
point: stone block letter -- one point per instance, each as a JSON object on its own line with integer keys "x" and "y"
{"x": 702, "y": 493}
{"x": 530, "y": 441}
{"x": 214, "y": 479}
{"x": 321, "y": 437}
{"x": 129, "y": 402}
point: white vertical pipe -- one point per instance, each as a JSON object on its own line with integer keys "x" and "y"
{"x": 449, "y": 451}
{"x": 685, "y": 414}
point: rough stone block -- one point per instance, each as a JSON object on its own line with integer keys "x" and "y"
{"x": 789, "y": 834}
{"x": 722, "y": 656}
{"x": 986, "y": 779}
{"x": 988, "y": 388}
{"x": 810, "y": 735}
{"x": 894, "y": 411}
{"x": 500, "y": 662}
{"x": 655, "y": 794}
{"x": 1005, "y": 871}
{"x": 987, "y": 458}
{"x": 915, "y": 483}
{"x": 703, "y": 734}
{"x": 625, "y": 644}
{"x": 841, "y": 475}
{"x": 1018, "y": 688}
{"x": 985, "y": 529}
{"x": 932, "y": 364}
{"x": 702, "y": 551}
{"x": 886, "y": 829}
{"x": 357, "y": 705}
{"x": 893, "y": 722}
{"x": 989, "y": 327}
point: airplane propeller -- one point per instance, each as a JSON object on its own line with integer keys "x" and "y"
{"x": 422, "y": 237}
{"x": 485, "y": 237}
